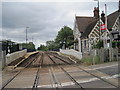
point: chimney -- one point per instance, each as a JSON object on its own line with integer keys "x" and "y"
{"x": 103, "y": 16}
{"x": 96, "y": 12}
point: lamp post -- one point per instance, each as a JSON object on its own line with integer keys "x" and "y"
{"x": 105, "y": 26}
{"x": 60, "y": 45}
{"x": 26, "y": 37}
{"x": 64, "y": 45}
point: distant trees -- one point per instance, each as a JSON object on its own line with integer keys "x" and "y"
{"x": 50, "y": 45}
{"x": 29, "y": 46}
{"x": 64, "y": 36}
{"x": 42, "y": 48}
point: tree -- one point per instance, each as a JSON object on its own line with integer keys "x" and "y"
{"x": 98, "y": 45}
{"x": 42, "y": 48}
{"x": 116, "y": 44}
{"x": 30, "y": 46}
{"x": 50, "y": 45}
{"x": 65, "y": 35}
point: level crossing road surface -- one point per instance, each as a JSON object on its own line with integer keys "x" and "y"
{"x": 50, "y": 70}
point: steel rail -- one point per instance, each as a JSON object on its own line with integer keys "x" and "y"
{"x": 51, "y": 59}
{"x": 17, "y": 74}
{"x": 56, "y": 83}
{"x": 71, "y": 78}
{"x": 35, "y": 85}
{"x": 96, "y": 76}
{"x": 61, "y": 59}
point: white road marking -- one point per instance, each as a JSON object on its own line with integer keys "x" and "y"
{"x": 105, "y": 66}
{"x": 114, "y": 76}
{"x": 83, "y": 81}
{"x": 46, "y": 86}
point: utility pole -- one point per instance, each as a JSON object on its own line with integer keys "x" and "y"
{"x": 32, "y": 38}
{"x": 119, "y": 15}
{"x": 105, "y": 41}
{"x": 26, "y": 37}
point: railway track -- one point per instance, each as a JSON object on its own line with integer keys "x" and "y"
{"x": 70, "y": 77}
{"x": 35, "y": 85}
{"x": 10, "y": 80}
{"x": 105, "y": 80}
{"x": 68, "y": 61}
{"x": 55, "y": 83}
{"x": 76, "y": 83}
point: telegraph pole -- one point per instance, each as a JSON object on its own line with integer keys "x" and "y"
{"x": 105, "y": 42}
{"x": 32, "y": 38}
{"x": 26, "y": 37}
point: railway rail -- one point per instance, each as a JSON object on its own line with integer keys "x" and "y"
{"x": 3, "y": 86}
{"x": 56, "y": 85}
{"x": 35, "y": 85}
{"x": 60, "y": 58}
{"x": 71, "y": 78}
{"x": 76, "y": 83}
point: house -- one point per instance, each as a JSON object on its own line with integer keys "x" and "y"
{"x": 87, "y": 31}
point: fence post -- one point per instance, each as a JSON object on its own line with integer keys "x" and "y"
{"x": 117, "y": 54}
{"x": 102, "y": 55}
{"x": 93, "y": 57}
{"x": 110, "y": 54}
{"x": 3, "y": 59}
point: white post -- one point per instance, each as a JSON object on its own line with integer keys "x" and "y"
{"x": 106, "y": 26}
{"x": 74, "y": 46}
{"x": 89, "y": 45}
{"x": 79, "y": 44}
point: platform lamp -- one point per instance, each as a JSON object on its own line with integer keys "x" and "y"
{"x": 26, "y": 36}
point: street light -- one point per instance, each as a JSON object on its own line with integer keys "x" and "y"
{"x": 26, "y": 37}
{"x": 63, "y": 44}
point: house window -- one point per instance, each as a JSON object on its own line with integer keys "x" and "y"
{"x": 115, "y": 36}
{"x": 81, "y": 46}
{"x": 85, "y": 43}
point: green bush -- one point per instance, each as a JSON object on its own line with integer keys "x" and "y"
{"x": 98, "y": 45}
{"x": 115, "y": 43}
{"x": 89, "y": 60}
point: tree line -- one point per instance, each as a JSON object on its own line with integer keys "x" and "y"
{"x": 64, "y": 38}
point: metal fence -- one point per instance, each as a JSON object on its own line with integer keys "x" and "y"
{"x": 105, "y": 55}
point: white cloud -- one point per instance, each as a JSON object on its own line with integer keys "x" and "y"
{"x": 44, "y": 19}
{"x": 57, "y": 0}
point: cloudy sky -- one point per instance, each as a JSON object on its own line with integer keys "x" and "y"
{"x": 44, "y": 19}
